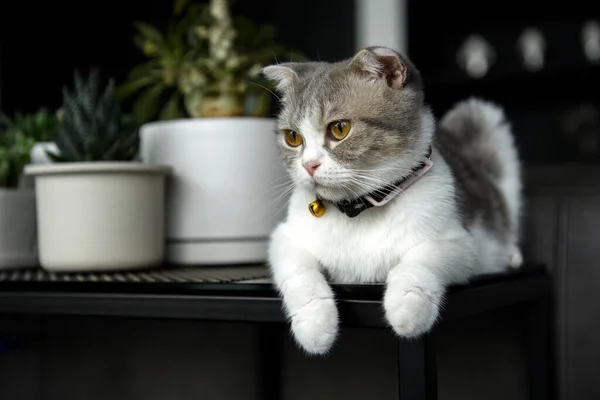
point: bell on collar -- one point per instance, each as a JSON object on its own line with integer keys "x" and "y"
{"x": 317, "y": 208}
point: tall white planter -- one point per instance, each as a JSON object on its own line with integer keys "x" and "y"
{"x": 18, "y": 246}
{"x": 99, "y": 216}
{"x": 221, "y": 202}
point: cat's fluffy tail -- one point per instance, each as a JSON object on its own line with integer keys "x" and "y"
{"x": 487, "y": 143}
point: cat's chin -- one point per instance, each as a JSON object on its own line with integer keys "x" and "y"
{"x": 324, "y": 191}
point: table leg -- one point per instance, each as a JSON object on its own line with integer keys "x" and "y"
{"x": 539, "y": 350}
{"x": 417, "y": 369}
{"x": 271, "y": 342}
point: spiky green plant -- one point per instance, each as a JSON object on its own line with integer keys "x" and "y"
{"x": 92, "y": 126}
{"x": 18, "y": 135}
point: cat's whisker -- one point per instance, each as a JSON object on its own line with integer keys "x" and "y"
{"x": 394, "y": 168}
{"x": 289, "y": 182}
{"x": 283, "y": 189}
{"x": 381, "y": 181}
{"x": 366, "y": 190}
{"x": 350, "y": 191}
{"x": 287, "y": 190}
{"x": 382, "y": 168}
{"x": 286, "y": 176}
{"x": 283, "y": 207}
{"x": 280, "y": 204}
{"x": 371, "y": 178}
{"x": 370, "y": 181}
{"x": 266, "y": 88}
{"x": 281, "y": 181}
{"x": 369, "y": 187}
{"x": 279, "y": 185}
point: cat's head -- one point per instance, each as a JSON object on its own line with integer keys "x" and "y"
{"x": 354, "y": 126}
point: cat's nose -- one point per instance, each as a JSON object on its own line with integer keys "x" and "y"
{"x": 311, "y": 167}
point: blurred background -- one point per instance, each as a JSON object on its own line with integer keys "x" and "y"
{"x": 539, "y": 60}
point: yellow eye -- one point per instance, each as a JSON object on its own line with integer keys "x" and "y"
{"x": 292, "y": 138}
{"x": 339, "y": 129}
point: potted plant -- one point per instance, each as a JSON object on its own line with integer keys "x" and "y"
{"x": 18, "y": 135}
{"x": 38, "y": 126}
{"x": 214, "y": 131}
{"x": 97, "y": 208}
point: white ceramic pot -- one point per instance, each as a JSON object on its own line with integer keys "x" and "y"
{"x": 18, "y": 247}
{"x": 221, "y": 202}
{"x": 99, "y": 216}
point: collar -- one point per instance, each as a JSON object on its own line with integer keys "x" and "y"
{"x": 377, "y": 198}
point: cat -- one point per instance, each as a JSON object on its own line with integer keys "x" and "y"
{"x": 382, "y": 195}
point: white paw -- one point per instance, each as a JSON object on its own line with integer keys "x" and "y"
{"x": 516, "y": 258}
{"x": 411, "y": 312}
{"x": 315, "y": 325}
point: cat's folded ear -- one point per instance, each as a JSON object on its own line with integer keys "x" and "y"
{"x": 281, "y": 75}
{"x": 381, "y": 63}
{"x": 284, "y": 75}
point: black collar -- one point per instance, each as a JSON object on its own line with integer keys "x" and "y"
{"x": 379, "y": 197}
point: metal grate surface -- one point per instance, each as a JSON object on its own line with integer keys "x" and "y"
{"x": 162, "y": 275}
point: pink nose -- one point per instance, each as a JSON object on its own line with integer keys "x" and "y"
{"x": 311, "y": 167}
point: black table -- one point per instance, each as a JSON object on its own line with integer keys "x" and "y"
{"x": 359, "y": 306}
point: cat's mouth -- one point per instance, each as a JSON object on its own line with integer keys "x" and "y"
{"x": 324, "y": 183}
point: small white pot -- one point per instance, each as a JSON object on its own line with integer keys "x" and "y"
{"x": 222, "y": 200}
{"x": 18, "y": 246}
{"x": 99, "y": 216}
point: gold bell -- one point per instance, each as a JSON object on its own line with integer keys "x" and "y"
{"x": 317, "y": 208}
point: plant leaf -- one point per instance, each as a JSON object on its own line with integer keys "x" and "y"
{"x": 146, "y": 106}
{"x": 173, "y": 108}
{"x": 128, "y": 88}
{"x": 150, "y": 32}
{"x": 180, "y": 5}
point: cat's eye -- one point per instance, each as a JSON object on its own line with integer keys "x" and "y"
{"x": 293, "y": 138}
{"x": 339, "y": 129}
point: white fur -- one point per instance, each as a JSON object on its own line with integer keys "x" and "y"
{"x": 415, "y": 244}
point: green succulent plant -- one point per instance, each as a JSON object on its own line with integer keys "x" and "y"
{"x": 92, "y": 126}
{"x": 39, "y": 125}
{"x": 18, "y": 135}
{"x": 156, "y": 82}
{"x": 207, "y": 64}
{"x": 14, "y": 155}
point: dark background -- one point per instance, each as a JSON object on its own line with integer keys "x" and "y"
{"x": 42, "y": 42}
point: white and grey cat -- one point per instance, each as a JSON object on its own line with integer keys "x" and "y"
{"x": 360, "y": 127}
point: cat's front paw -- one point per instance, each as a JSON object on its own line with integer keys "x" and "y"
{"x": 411, "y": 311}
{"x": 315, "y": 325}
